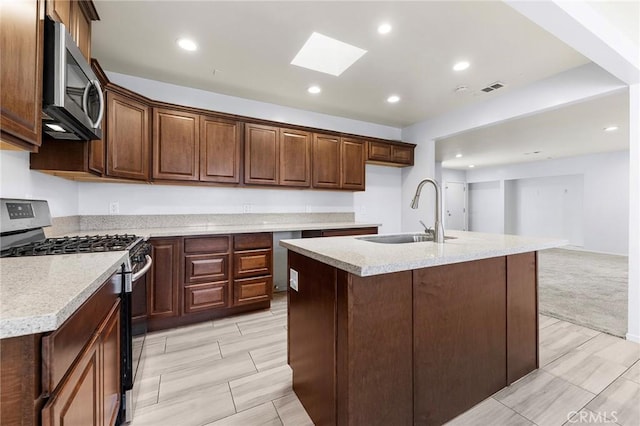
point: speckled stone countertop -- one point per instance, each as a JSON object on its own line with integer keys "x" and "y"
{"x": 365, "y": 258}
{"x": 178, "y": 231}
{"x": 37, "y": 294}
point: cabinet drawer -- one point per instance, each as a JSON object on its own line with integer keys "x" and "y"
{"x": 206, "y": 244}
{"x": 199, "y": 297}
{"x": 206, "y": 267}
{"x": 252, "y": 263}
{"x": 62, "y": 347}
{"x": 252, "y": 290}
{"x": 253, "y": 241}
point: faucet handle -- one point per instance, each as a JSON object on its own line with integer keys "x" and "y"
{"x": 427, "y": 230}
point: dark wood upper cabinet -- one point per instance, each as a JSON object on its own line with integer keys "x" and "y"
{"x": 326, "y": 161}
{"x": 76, "y": 15}
{"x": 390, "y": 154}
{"x": 127, "y": 135}
{"x": 261, "y": 152}
{"x": 220, "y": 150}
{"x": 176, "y": 139}
{"x": 295, "y": 158}
{"x": 60, "y": 10}
{"x": 352, "y": 173}
{"x": 21, "y": 44}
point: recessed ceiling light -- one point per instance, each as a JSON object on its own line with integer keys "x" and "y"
{"x": 461, "y": 66}
{"x": 384, "y": 28}
{"x": 314, "y": 89}
{"x": 393, "y": 99}
{"x": 458, "y": 155}
{"x": 187, "y": 44}
{"x": 471, "y": 166}
{"x": 55, "y": 127}
{"x": 611, "y": 129}
{"x": 327, "y": 55}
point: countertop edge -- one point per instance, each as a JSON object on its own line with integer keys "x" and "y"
{"x": 23, "y": 326}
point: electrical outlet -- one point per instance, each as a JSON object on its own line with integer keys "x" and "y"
{"x": 114, "y": 207}
{"x": 246, "y": 208}
{"x": 293, "y": 279}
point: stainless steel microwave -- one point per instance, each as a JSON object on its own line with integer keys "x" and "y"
{"x": 72, "y": 99}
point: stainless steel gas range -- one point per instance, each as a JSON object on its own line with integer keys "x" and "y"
{"x": 22, "y": 224}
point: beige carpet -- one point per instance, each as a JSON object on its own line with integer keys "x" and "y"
{"x": 584, "y": 288}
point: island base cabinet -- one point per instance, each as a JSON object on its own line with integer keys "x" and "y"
{"x": 459, "y": 348}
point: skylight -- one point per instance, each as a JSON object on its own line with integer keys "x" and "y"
{"x": 327, "y": 55}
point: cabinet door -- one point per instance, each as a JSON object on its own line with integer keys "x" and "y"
{"x": 379, "y": 151}
{"x": 81, "y": 28}
{"x": 295, "y": 158}
{"x": 352, "y": 174}
{"x": 205, "y": 296}
{"x": 164, "y": 277}
{"x": 261, "y": 154}
{"x": 326, "y": 161}
{"x": 110, "y": 365}
{"x": 77, "y": 400}
{"x": 21, "y": 42}
{"x": 127, "y": 125}
{"x": 402, "y": 154}
{"x": 176, "y": 136}
{"x": 60, "y": 10}
{"x": 220, "y": 147}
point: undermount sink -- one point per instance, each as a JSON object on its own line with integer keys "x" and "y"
{"x": 401, "y": 238}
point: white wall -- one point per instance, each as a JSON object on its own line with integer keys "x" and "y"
{"x": 18, "y": 181}
{"x": 382, "y": 201}
{"x": 486, "y": 206}
{"x": 606, "y": 193}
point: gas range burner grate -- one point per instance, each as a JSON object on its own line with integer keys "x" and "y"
{"x": 69, "y": 245}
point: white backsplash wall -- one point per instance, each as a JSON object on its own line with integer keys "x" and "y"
{"x": 382, "y": 201}
{"x": 18, "y": 181}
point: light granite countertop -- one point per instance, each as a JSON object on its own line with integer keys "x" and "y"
{"x": 37, "y": 294}
{"x": 177, "y": 231}
{"x": 365, "y": 258}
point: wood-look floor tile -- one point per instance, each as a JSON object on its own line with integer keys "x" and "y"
{"x": 179, "y": 330}
{"x": 265, "y": 313}
{"x": 261, "y": 387}
{"x": 586, "y": 370}
{"x": 204, "y": 374}
{"x": 197, "y": 337}
{"x": 176, "y": 360}
{"x": 262, "y": 415}
{"x": 545, "y": 321}
{"x": 154, "y": 346}
{"x": 621, "y": 399}
{"x": 145, "y": 391}
{"x": 291, "y": 411}
{"x": 269, "y": 357}
{"x": 544, "y": 399}
{"x": 633, "y": 373}
{"x": 263, "y": 324}
{"x": 235, "y": 344}
{"x": 196, "y": 408}
{"x": 588, "y": 418}
{"x": 561, "y": 337}
{"x": 490, "y": 412}
{"x": 612, "y": 348}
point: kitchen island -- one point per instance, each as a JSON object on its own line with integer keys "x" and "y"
{"x": 413, "y": 333}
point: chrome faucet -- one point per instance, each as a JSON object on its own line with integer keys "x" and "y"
{"x": 438, "y": 232}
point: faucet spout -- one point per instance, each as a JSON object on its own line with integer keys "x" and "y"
{"x": 438, "y": 228}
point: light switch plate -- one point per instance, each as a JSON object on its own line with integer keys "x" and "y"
{"x": 293, "y": 279}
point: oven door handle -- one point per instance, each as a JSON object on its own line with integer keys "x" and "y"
{"x": 144, "y": 270}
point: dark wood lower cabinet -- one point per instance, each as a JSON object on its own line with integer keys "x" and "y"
{"x": 459, "y": 342}
{"x": 339, "y": 232}
{"x": 415, "y": 347}
{"x": 165, "y": 278}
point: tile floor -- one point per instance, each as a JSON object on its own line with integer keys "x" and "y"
{"x": 234, "y": 371}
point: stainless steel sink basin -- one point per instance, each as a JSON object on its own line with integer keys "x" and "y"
{"x": 401, "y": 238}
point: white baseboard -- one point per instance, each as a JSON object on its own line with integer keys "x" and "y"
{"x": 633, "y": 337}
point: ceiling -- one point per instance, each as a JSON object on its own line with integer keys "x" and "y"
{"x": 573, "y": 130}
{"x": 251, "y": 45}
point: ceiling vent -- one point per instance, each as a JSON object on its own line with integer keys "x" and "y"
{"x": 493, "y": 86}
